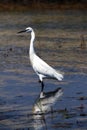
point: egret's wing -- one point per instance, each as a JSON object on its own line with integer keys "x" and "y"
{"x": 43, "y": 68}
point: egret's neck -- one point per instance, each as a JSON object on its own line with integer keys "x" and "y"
{"x": 31, "y": 51}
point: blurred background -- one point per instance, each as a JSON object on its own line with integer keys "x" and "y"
{"x": 42, "y": 4}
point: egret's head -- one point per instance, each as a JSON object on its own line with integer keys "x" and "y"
{"x": 28, "y": 29}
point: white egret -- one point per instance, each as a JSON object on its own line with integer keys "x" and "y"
{"x": 41, "y": 68}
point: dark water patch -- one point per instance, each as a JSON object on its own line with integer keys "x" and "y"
{"x": 2, "y": 101}
{"x": 63, "y": 125}
{"x": 15, "y": 50}
{"x": 8, "y": 115}
{"x": 69, "y": 28}
{"x": 57, "y": 39}
{"x": 82, "y": 98}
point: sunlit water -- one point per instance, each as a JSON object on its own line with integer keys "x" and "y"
{"x": 58, "y": 42}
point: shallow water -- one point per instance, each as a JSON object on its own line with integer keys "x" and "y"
{"x": 58, "y": 42}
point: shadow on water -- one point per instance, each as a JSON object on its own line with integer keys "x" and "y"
{"x": 61, "y": 41}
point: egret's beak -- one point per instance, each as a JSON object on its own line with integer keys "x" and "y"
{"x": 22, "y": 31}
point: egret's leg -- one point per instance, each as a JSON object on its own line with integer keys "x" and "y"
{"x": 42, "y": 85}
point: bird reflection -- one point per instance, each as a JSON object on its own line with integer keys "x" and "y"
{"x": 39, "y": 121}
{"x": 46, "y": 100}
{"x": 43, "y": 106}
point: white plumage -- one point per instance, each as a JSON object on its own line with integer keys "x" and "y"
{"x": 44, "y": 70}
{"x": 41, "y": 68}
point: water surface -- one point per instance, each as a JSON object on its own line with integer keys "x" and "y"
{"x": 58, "y": 42}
